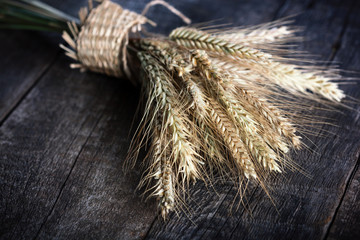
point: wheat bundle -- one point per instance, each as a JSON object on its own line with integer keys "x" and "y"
{"x": 216, "y": 100}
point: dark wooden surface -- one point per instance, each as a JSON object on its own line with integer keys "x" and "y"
{"x": 64, "y": 136}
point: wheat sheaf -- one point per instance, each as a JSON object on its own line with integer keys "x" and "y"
{"x": 218, "y": 103}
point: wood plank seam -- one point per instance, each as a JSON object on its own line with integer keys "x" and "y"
{"x": 18, "y": 101}
{"x": 310, "y": 5}
{"x": 348, "y": 183}
{"x": 149, "y": 229}
{"x": 239, "y": 218}
{"x": 337, "y": 44}
{"x": 217, "y": 210}
{"x": 67, "y": 177}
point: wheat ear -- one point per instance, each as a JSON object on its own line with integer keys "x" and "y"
{"x": 294, "y": 78}
{"x": 309, "y": 82}
{"x": 238, "y": 84}
{"x": 230, "y": 134}
{"x": 182, "y": 149}
{"x": 254, "y": 143}
{"x": 193, "y": 38}
{"x": 272, "y": 115}
{"x": 172, "y": 57}
{"x": 264, "y": 36}
{"x": 162, "y": 173}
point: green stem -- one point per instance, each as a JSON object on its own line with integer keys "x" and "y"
{"x": 33, "y": 15}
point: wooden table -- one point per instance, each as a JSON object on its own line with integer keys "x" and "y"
{"x": 64, "y": 136}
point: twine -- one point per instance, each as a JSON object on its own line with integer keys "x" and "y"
{"x": 101, "y": 43}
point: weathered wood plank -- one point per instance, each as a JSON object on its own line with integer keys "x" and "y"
{"x": 63, "y": 146}
{"x": 97, "y": 195}
{"x": 61, "y": 149}
{"x": 346, "y": 222}
{"x": 316, "y": 199}
{"x": 19, "y": 71}
{"x": 26, "y": 56}
{"x": 304, "y": 207}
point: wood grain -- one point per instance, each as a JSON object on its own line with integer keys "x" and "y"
{"x": 64, "y": 136}
{"x": 26, "y": 56}
{"x": 346, "y": 220}
{"x": 21, "y": 71}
